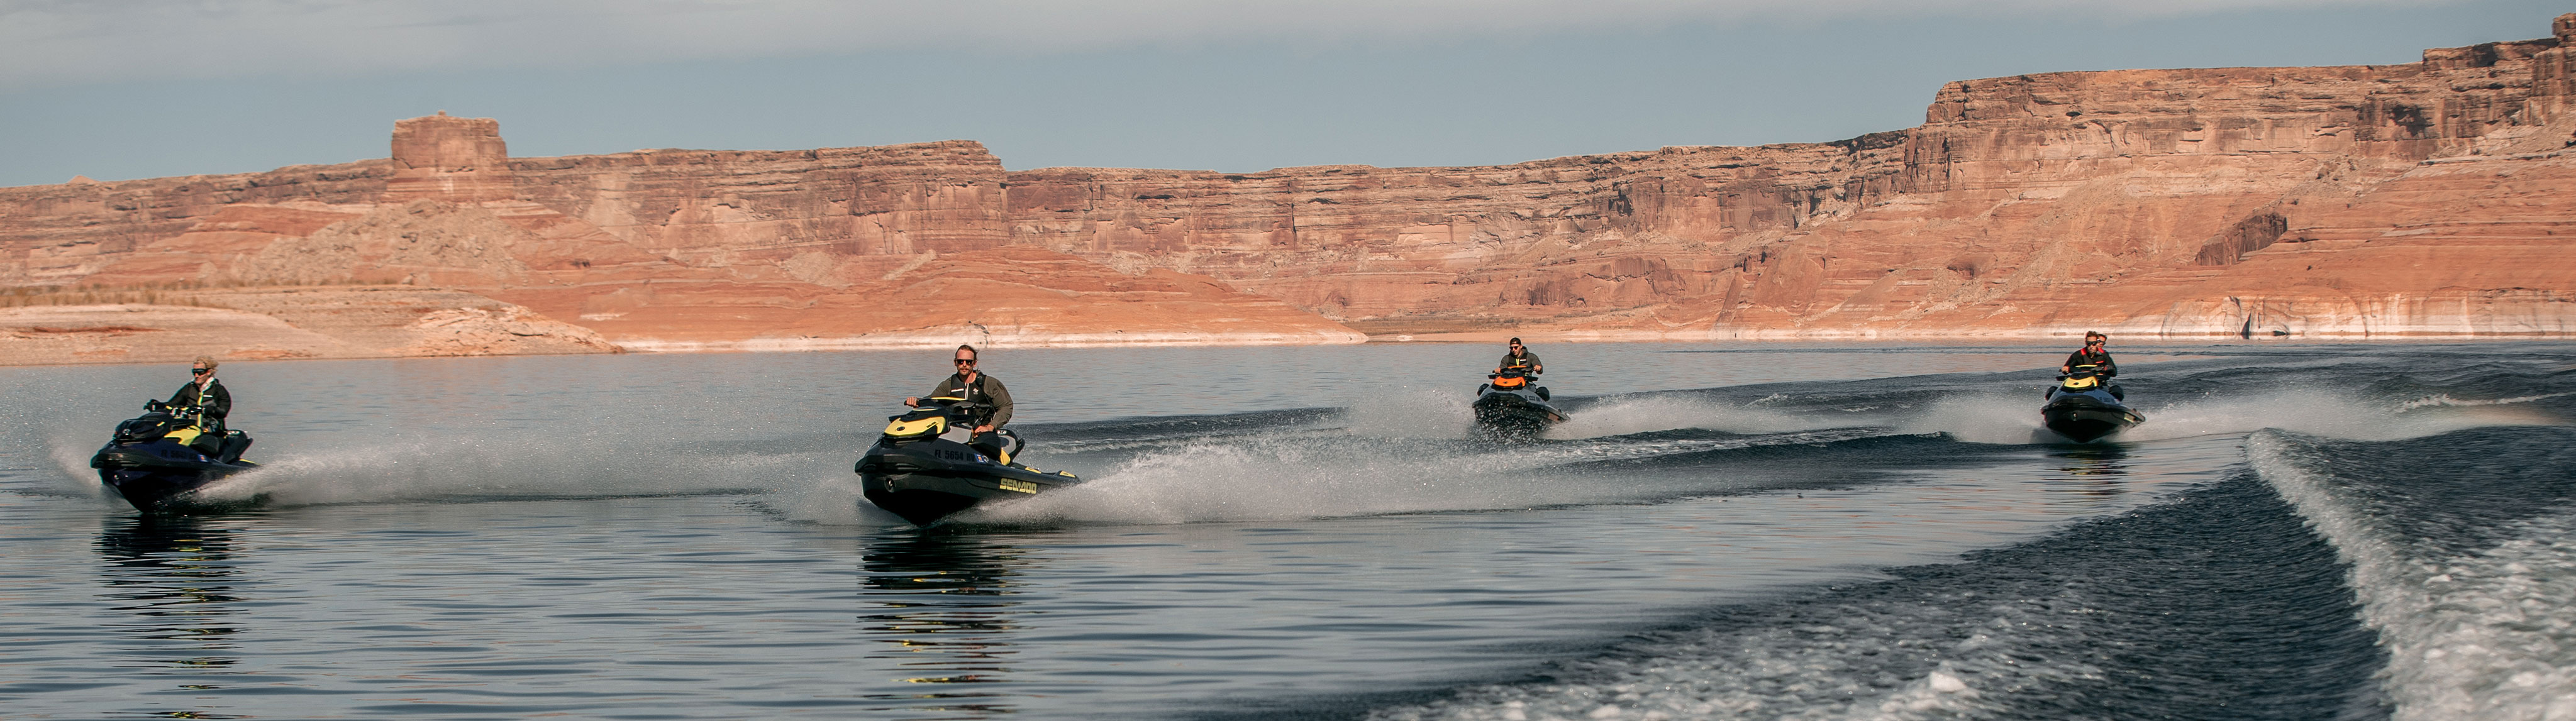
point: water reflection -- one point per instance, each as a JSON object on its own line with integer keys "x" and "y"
{"x": 941, "y": 603}
{"x": 176, "y": 576}
{"x": 2096, "y": 470}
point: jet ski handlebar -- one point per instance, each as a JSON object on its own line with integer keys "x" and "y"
{"x": 953, "y": 403}
{"x": 152, "y": 406}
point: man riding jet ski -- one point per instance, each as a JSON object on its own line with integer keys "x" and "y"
{"x": 1508, "y": 406}
{"x": 2095, "y": 354}
{"x": 950, "y": 453}
{"x": 2085, "y": 405}
{"x": 176, "y": 446}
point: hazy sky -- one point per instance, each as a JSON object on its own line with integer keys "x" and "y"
{"x": 118, "y": 89}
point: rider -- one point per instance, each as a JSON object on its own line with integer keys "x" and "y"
{"x": 2093, "y": 354}
{"x": 1520, "y": 357}
{"x": 976, "y": 387}
{"x": 205, "y": 400}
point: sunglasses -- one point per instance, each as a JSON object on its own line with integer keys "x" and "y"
{"x": 965, "y": 361}
{"x": 200, "y": 371}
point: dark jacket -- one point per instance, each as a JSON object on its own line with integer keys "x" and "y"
{"x": 986, "y": 389}
{"x": 1525, "y": 358}
{"x": 2102, "y": 359}
{"x": 218, "y": 402}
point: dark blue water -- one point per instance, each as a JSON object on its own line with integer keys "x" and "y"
{"x": 1721, "y": 532}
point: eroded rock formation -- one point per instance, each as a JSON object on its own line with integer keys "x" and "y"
{"x": 286, "y": 323}
{"x": 2422, "y": 198}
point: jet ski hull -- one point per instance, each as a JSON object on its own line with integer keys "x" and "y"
{"x": 156, "y": 476}
{"x": 2084, "y": 417}
{"x": 927, "y": 481}
{"x": 1514, "y": 413}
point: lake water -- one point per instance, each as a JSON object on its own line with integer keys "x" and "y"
{"x": 1721, "y": 531}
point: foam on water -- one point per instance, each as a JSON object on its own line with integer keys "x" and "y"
{"x": 516, "y": 467}
{"x": 1662, "y": 412}
{"x": 2445, "y": 399}
{"x": 2081, "y": 624}
{"x": 1420, "y": 413}
{"x": 1980, "y": 418}
{"x": 1845, "y": 661}
{"x": 1301, "y": 475}
{"x": 2487, "y": 634}
{"x": 2014, "y": 419}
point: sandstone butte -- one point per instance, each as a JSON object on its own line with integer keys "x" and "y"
{"x": 2409, "y": 200}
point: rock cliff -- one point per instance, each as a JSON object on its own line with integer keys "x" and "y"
{"x": 284, "y": 323}
{"x": 2421, "y": 198}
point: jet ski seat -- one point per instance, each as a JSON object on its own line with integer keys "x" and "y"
{"x": 1001, "y": 444}
{"x": 235, "y": 442}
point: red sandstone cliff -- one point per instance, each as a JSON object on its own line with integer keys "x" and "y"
{"x": 2407, "y": 199}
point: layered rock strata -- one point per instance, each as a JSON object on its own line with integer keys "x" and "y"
{"x": 2421, "y": 198}
{"x": 286, "y": 323}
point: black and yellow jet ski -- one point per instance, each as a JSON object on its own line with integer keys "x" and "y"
{"x": 2085, "y": 406}
{"x": 1510, "y": 406}
{"x": 925, "y": 468}
{"x": 165, "y": 454}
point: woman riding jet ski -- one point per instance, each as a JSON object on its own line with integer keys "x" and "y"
{"x": 176, "y": 446}
{"x": 166, "y": 452}
{"x": 1508, "y": 407}
{"x": 2084, "y": 406}
{"x": 930, "y": 463}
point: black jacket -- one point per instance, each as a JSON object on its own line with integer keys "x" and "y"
{"x": 986, "y": 389}
{"x": 218, "y": 402}
{"x": 2102, "y": 359}
{"x": 1526, "y": 358}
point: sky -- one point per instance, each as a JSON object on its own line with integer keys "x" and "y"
{"x": 123, "y": 89}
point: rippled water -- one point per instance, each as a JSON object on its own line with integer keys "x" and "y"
{"x": 1754, "y": 531}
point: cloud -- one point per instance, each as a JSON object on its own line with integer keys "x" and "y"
{"x": 59, "y": 42}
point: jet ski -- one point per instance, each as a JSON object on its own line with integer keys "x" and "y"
{"x": 924, "y": 469}
{"x": 151, "y": 461}
{"x": 2085, "y": 406}
{"x": 1509, "y": 407}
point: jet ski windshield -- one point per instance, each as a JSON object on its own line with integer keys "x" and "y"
{"x": 2083, "y": 377}
{"x": 158, "y": 420}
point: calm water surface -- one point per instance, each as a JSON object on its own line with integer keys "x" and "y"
{"x": 1762, "y": 531}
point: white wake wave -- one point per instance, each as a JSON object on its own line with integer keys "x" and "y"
{"x": 2013, "y": 419}
{"x": 2488, "y": 635}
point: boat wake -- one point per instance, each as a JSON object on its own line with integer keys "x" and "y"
{"x": 2463, "y": 551}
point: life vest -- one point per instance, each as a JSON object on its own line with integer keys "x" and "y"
{"x": 973, "y": 392}
{"x": 199, "y": 420}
